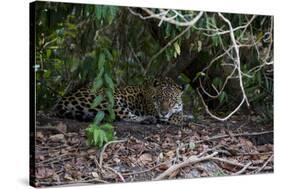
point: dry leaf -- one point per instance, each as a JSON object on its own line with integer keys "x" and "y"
{"x": 62, "y": 127}
{"x": 95, "y": 175}
{"x": 57, "y": 138}
{"x": 43, "y": 172}
{"x": 145, "y": 158}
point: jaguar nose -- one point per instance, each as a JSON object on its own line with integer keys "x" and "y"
{"x": 164, "y": 114}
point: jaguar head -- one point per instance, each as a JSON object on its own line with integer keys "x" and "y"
{"x": 167, "y": 97}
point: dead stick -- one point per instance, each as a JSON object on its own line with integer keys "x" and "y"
{"x": 184, "y": 164}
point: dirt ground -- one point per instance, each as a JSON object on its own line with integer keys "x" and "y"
{"x": 151, "y": 152}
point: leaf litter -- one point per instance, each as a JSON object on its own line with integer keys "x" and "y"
{"x": 151, "y": 152}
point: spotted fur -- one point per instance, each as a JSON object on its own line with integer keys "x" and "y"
{"x": 159, "y": 100}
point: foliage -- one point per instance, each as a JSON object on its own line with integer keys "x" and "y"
{"x": 98, "y": 134}
{"x": 108, "y": 46}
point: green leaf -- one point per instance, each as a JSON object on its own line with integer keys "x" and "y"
{"x": 107, "y": 127}
{"x": 110, "y": 97}
{"x": 184, "y": 78}
{"x": 198, "y": 74}
{"x": 101, "y": 72}
{"x": 98, "y": 11}
{"x": 101, "y": 61}
{"x": 222, "y": 97}
{"x": 97, "y": 101}
{"x": 108, "y": 54}
{"x": 109, "y": 81}
{"x": 96, "y": 134}
{"x": 97, "y": 85}
{"x": 48, "y": 54}
{"x": 99, "y": 117}
{"x": 218, "y": 82}
{"x": 103, "y": 138}
{"x": 177, "y": 48}
{"x": 111, "y": 114}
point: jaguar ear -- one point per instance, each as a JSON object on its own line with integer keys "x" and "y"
{"x": 156, "y": 83}
{"x": 181, "y": 93}
{"x": 183, "y": 86}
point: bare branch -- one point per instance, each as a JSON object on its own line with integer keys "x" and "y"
{"x": 237, "y": 62}
{"x": 189, "y": 161}
{"x": 172, "y": 20}
{"x": 216, "y": 117}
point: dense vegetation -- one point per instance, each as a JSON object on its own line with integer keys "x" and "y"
{"x": 222, "y": 57}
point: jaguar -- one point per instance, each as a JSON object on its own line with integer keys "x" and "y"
{"x": 157, "y": 101}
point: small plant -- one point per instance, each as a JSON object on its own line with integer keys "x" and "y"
{"x": 101, "y": 131}
{"x": 99, "y": 134}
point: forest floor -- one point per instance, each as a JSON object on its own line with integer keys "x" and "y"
{"x": 151, "y": 152}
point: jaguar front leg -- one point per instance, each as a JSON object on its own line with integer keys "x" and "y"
{"x": 141, "y": 119}
{"x": 127, "y": 115}
{"x": 176, "y": 119}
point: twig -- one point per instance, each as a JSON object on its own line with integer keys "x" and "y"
{"x": 236, "y": 163}
{"x": 224, "y": 136}
{"x": 115, "y": 172}
{"x": 243, "y": 169}
{"x": 74, "y": 182}
{"x": 264, "y": 165}
{"x": 162, "y": 17}
{"x": 173, "y": 21}
{"x": 216, "y": 117}
{"x": 136, "y": 57}
{"x": 103, "y": 149}
{"x": 222, "y": 88}
{"x": 236, "y": 48}
{"x": 237, "y": 65}
{"x": 54, "y": 159}
{"x": 184, "y": 164}
{"x": 51, "y": 128}
{"x": 147, "y": 170}
{"x": 234, "y": 135}
{"x": 217, "y": 32}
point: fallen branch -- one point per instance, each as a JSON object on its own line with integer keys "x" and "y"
{"x": 184, "y": 164}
